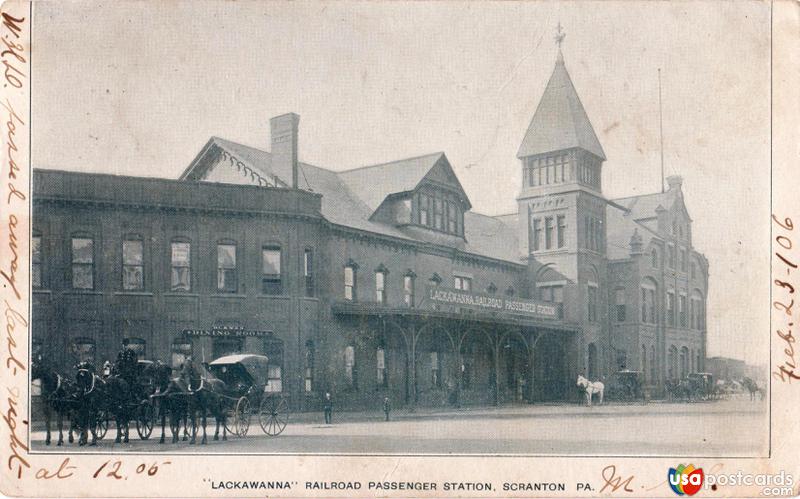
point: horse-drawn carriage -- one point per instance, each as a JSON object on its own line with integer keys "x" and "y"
{"x": 625, "y": 385}
{"x": 701, "y": 386}
{"x": 246, "y": 378}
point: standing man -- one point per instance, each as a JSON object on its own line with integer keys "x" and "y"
{"x": 328, "y": 407}
{"x": 127, "y": 361}
{"x": 387, "y": 407}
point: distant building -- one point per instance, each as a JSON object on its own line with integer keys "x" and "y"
{"x": 376, "y": 281}
{"x": 726, "y": 368}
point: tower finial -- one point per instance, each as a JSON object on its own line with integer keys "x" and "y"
{"x": 560, "y": 35}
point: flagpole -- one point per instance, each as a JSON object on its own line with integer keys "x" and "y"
{"x": 661, "y": 129}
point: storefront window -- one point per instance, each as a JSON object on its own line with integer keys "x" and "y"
{"x": 350, "y": 366}
{"x": 380, "y": 359}
{"x": 309, "y": 369}
{"x": 436, "y": 379}
{"x": 181, "y": 350}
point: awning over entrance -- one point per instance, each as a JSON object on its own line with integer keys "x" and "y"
{"x": 504, "y": 318}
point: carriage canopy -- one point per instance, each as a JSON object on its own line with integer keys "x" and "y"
{"x": 250, "y": 368}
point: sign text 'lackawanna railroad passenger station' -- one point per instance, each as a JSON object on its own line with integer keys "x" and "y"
{"x": 492, "y": 303}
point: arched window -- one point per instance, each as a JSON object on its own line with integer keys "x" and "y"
{"x": 672, "y": 362}
{"x": 654, "y": 258}
{"x": 648, "y": 301}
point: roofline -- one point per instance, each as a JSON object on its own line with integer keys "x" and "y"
{"x": 439, "y": 153}
{"x": 209, "y": 143}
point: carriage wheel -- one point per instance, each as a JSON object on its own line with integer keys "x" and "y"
{"x": 145, "y": 419}
{"x": 273, "y": 415}
{"x": 103, "y": 421}
{"x": 242, "y": 416}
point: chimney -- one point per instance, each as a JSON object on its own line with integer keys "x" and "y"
{"x": 674, "y": 182}
{"x": 283, "y": 130}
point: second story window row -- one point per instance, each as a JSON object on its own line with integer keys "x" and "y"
{"x": 548, "y": 232}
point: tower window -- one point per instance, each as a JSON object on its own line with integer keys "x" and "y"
{"x": 562, "y": 226}
{"x": 548, "y": 232}
{"x": 537, "y": 233}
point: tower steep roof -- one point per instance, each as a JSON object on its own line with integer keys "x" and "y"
{"x": 560, "y": 121}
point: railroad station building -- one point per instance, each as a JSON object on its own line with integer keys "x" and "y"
{"x": 379, "y": 280}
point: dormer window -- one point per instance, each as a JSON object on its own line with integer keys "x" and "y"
{"x": 439, "y": 210}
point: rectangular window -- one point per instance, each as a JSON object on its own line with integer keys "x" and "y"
{"x": 181, "y": 265}
{"x": 271, "y": 271}
{"x": 408, "y": 291}
{"x": 548, "y": 232}
{"x": 670, "y": 308}
{"x": 620, "y": 302}
{"x": 132, "y": 265}
{"x": 350, "y": 283}
{"x": 452, "y": 220}
{"x": 309, "y": 369}
{"x": 682, "y": 310}
{"x": 462, "y": 283}
{"x": 587, "y": 233}
{"x": 308, "y": 271}
{"x": 537, "y": 233}
{"x": 36, "y": 261}
{"x": 683, "y": 260}
{"x": 561, "y": 221}
{"x": 380, "y": 287}
{"x": 423, "y": 209}
{"x": 546, "y": 293}
{"x": 226, "y": 268}
{"x": 438, "y": 214}
{"x": 380, "y": 360}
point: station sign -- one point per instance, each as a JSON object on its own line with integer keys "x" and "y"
{"x": 437, "y": 295}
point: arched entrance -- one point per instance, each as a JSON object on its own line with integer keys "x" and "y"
{"x": 435, "y": 367}
{"x": 550, "y": 373}
{"x": 478, "y": 376}
{"x": 514, "y": 368}
{"x": 591, "y": 363}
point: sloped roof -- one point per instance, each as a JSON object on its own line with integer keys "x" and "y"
{"x": 487, "y": 235}
{"x": 644, "y": 206}
{"x": 375, "y": 182}
{"x": 560, "y": 121}
{"x": 346, "y": 196}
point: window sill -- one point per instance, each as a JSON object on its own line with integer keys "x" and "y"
{"x": 133, "y": 293}
{"x": 228, "y": 295}
{"x": 276, "y": 297}
{"x": 40, "y": 291}
{"x": 178, "y": 294}
{"x": 82, "y": 292}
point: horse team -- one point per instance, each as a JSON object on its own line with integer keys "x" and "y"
{"x": 89, "y": 401}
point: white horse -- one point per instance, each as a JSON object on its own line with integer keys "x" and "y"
{"x": 591, "y": 388}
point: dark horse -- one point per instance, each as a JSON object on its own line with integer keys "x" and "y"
{"x": 95, "y": 395}
{"x": 59, "y": 396}
{"x": 753, "y": 388}
{"x": 210, "y": 396}
{"x": 170, "y": 398}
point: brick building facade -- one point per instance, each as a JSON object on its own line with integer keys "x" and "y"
{"x": 376, "y": 281}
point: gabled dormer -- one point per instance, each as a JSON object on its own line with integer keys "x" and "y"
{"x": 421, "y": 193}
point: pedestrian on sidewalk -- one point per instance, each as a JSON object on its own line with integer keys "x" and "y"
{"x": 328, "y": 407}
{"x": 387, "y": 407}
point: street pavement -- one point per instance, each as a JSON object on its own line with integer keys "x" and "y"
{"x": 727, "y": 428}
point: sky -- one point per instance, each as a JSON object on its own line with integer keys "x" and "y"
{"x": 137, "y": 88}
